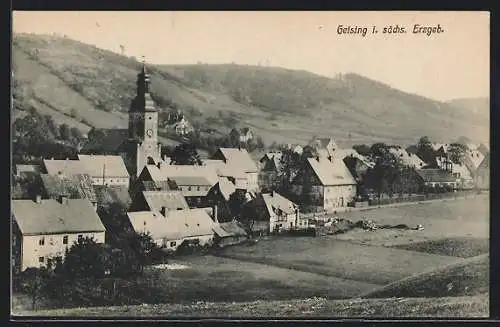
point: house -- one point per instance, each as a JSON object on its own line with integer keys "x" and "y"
{"x": 483, "y": 149}
{"x": 324, "y": 146}
{"x": 27, "y": 169}
{"x": 159, "y": 201}
{"x": 182, "y": 127}
{"x": 460, "y": 171}
{"x": 482, "y": 174}
{"x": 324, "y": 185}
{"x": 77, "y": 186}
{"x": 243, "y": 134}
{"x": 225, "y": 170}
{"x": 357, "y": 167}
{"x": 229, "y": 233}
{"x": 436, "y": 178}
{"x": 280, "y": 213}
{"x": 105, "y": 169}
{"x": 270, "y": 168}
{"x": 295, "y": 148}
{"x": 44, "y": 229}
{"x": 473, "y": 159}
{"x": 407, "y": 158}
{"x": 218, "y": 198}
{"x": 193, "y": 182}
{"x": 240, "y": 160}
{"x": 169, "y": 231}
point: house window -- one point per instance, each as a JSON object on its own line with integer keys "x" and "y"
{"x": 41, "y": 259}
{"x": 172, "y": 244}
{"x": 41, "y": 241}
{"x": 198, "y": 188}
{"x": 80, "y": 238}
{"x": 189, "y": 188}
{"x": 65, "y": 239}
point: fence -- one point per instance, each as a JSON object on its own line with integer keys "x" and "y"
{"x": 323, "y": 215}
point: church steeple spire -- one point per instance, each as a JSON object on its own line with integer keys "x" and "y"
{"x": 143, "y": 80}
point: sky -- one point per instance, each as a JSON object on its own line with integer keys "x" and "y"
{"x": 442, "y": 66}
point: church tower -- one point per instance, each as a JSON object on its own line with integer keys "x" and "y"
{"x": 143, "y": 126}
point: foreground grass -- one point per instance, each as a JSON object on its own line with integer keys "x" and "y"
{"x": 331, "y": 257}
{"x": 468, "y": 277}
{"x": 463, "y": 247}
{"x": 446, "y": 307}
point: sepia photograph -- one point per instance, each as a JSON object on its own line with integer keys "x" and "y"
{"x": 250, "y": 164}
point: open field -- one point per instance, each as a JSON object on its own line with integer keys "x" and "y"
{"x": 444, "y": 307}
{"x": 330, "y": 257}
{"x": 448, "y": 219}
{"x": 468, "y": 277}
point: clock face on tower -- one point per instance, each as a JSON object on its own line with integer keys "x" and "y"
{"x": 149, "y": 132}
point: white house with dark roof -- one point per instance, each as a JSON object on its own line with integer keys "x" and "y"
{"x": 43, "y": 229}
{"x": 323, "y": 184}
{"x": 171, "y": 230}
{"x": 239, "y": 160}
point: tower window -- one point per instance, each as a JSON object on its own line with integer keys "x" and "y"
{"x": 150, "y": 117}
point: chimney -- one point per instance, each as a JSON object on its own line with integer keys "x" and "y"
{"x": 215, "y": 213}
{"x": 38, "y": 199}
{"x": 163, "y": 211}
{"x": 63, "y": 198}
{"x": 158, "y": 164}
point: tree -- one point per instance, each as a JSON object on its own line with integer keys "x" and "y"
{"x": 309, "y": 152}
{"x": 457, "y": 152}
{"x": 383, "y": 176}
{"x": 76, "y": 134}
{"x": 86, "y": 258}
{"x": 65, "y": 132}
{"x": 290, "y": 163}
{"x": 362, "y": 149}
{"x": 33, "y": 282}
{"x": 236, "y": 201}
{"x": 144, "y": 247}
{"x": 185, "y": 154}
{"x": 426, "y": 152}
{"x": 260, "y": 143}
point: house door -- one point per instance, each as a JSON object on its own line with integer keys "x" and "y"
{"x": 341, "y": 201}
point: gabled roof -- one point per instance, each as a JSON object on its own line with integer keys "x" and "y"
{"x": 53, "y": 217}
{"x": 27, "y": 168}
{"x": 406, "y": 158}
{"x": 225, "y": 187}
{"x": 65, "y": 167}
{"x": 75, "y": 186}
{"x": 271, "y": 161}
{"x": 171, "y": 200}
{"x": 436, "y": 176}
{"x": 175, "y": 226}
{"x": 112, "y": 194}
{"x": 275, "y": 201}
{"x": 483, "y": 149}
{"x": 485, "y": 164}
{"x": 331, "y": 173}
{"x": 100, "y": 165}
{"x": 182, "y": 174}
{"x": 239, "y": 158}
{"x": 230, "y": 228}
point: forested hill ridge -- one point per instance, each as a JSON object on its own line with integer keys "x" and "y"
{"x": 84, "y": 86}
